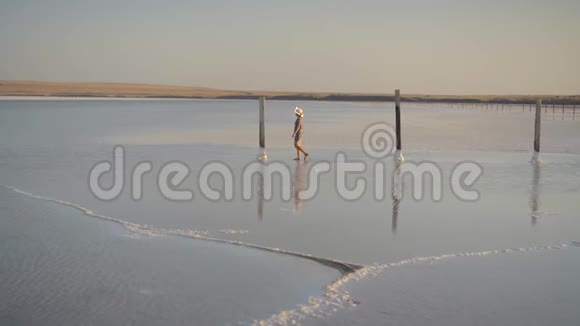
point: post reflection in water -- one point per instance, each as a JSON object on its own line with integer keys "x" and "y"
{"x": 300, "y": 184}
{"x": 535, "y": 193}
{"x": 396, "y": 196}
{"x": 260, "y": 193}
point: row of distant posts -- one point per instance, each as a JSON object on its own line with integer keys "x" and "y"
{"x": 263, "y": 156}
{"x": 537, "y": 130}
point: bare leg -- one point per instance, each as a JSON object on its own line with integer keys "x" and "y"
{"x": 297, "y": 153}
{"x": 300, "y": 149}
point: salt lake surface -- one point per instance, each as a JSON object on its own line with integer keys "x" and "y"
{"x": 511, "y": 257}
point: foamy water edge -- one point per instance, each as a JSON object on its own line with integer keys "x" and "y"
{"x": 335, "y": 297}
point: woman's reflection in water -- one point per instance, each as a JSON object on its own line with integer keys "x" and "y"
{"x": 300, "y": 184}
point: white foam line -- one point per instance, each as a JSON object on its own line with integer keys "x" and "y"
{"x": 343, "y": 267}
{"x": 336, "y": 297}
{"x": 128, "y": 225}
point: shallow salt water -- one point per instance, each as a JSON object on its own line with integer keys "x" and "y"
{"x": 47, "y": 149}
{"x": 535, "y": 287}
{"x": 59, "y": 267}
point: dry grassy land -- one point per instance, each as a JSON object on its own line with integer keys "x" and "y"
{"x": 34, "y": 88}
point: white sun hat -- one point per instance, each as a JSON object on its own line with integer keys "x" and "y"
{"x": 299, "y": 112}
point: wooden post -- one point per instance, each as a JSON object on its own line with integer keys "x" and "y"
{"x": 262, "y": 127}
{"x": 398, "y": 117}
{"x": 536, "y": 156}
{"x": 262, "y": 156}
{"x": 399, "y": 155}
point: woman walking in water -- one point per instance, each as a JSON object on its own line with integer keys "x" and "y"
{"x": 297, "y": 134}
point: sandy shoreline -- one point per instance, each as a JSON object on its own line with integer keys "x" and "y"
{"x": 59, "y": 90}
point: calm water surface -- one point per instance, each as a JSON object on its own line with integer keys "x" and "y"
{"x": 508, "y": 258}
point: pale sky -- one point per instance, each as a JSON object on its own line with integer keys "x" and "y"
{"x": 430, "y": 46}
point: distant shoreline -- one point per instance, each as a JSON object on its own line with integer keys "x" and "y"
{"x": 34, "y": 89}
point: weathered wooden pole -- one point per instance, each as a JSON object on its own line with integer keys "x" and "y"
{"x": 536, "y": 155}
{"x": 262, "y": 127}
{"x": 262, "y": 156}
{"x": 398, "y": 154}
